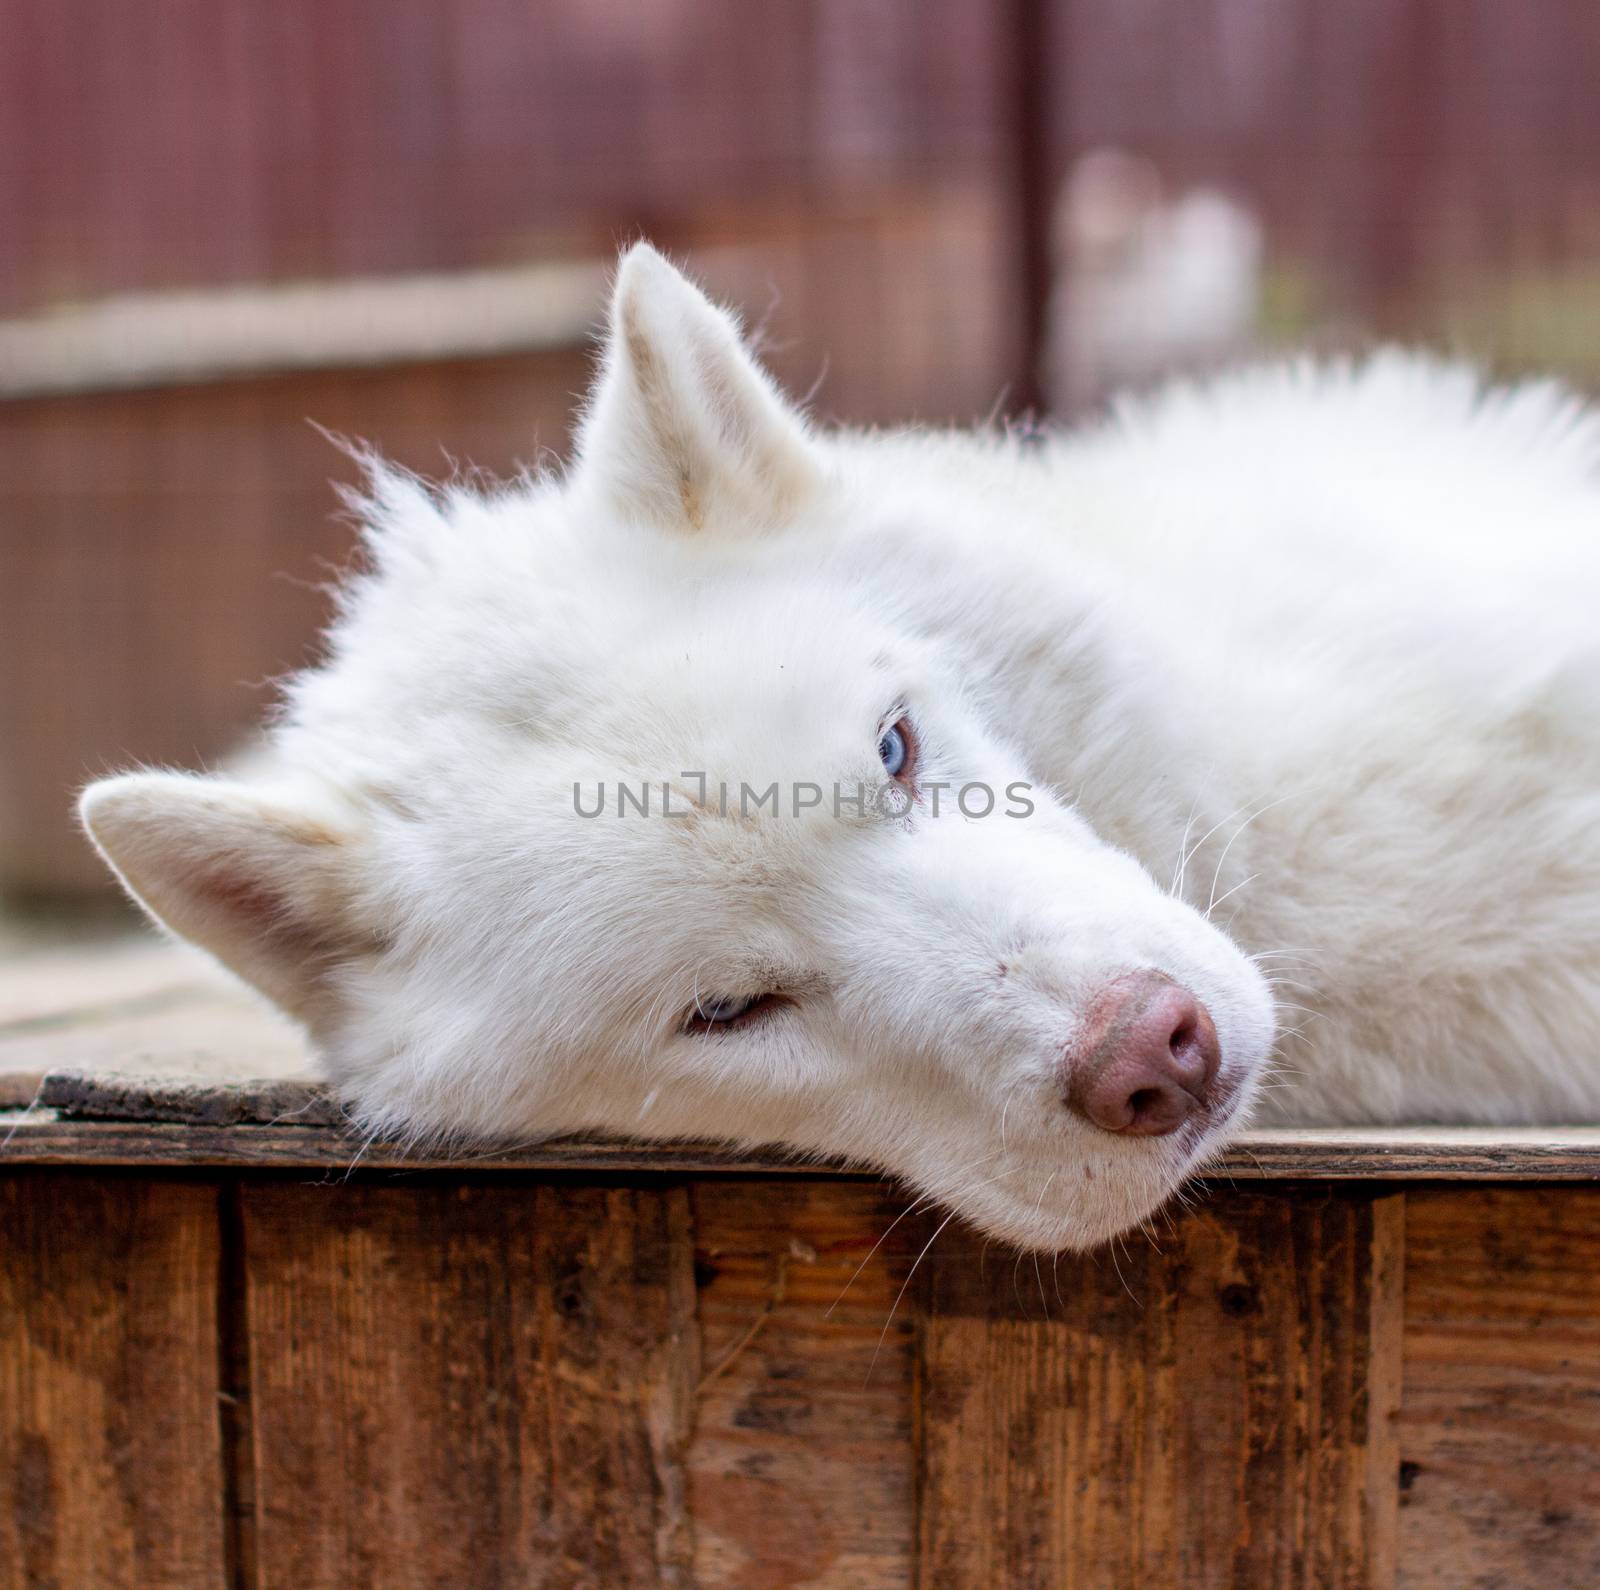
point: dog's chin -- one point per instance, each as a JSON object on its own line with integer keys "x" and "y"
{"x": 1062, "y": 1207}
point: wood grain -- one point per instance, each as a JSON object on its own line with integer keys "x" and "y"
{"x": 1500, "y": 1427}
{"x": 801, "y": 1465}
{"x": 42, "y": 1137}
{"x": 1216, "y": 1410}
{"x": 46, "y": 1136}
{"x": 110, "y": 1465}
{"x": 469, "y": 1385}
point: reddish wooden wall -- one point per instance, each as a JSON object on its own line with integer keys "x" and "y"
{"x": 443, "y": 1381}
{"x": 1426, "y": 167}
{"x": 206, "y": 141}
{"x": 1387, "y": 144}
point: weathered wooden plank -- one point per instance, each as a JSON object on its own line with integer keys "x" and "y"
{"x": 42, "y": 1137}
{"x": 192, "y": 1099}
{"x": 1412, "y": 1153}
{"x": 1500, "y": 1426}
{"x": 469, "y": 1385}
{"x": 1214, "y": 1410}
{"x": 47, "y": 1136}
{"x": 801, "y": 1464}
{"x": 110, "y": 1462}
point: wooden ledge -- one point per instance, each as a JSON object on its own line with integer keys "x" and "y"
{"x": 139, "y": 340}
{"x": 227, "y": 1126}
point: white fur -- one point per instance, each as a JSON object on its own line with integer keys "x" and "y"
{"x": 1316, "y": 647}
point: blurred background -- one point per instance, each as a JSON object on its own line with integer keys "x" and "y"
{"x": 220, "y": 219}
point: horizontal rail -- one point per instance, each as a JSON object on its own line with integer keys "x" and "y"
{"x": 45, "y": 1136}
{"x": 176, "y": 338}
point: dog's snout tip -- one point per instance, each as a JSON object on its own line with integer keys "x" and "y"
{"x": 1146, "y": 1060}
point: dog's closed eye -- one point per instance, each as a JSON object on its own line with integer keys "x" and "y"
{"x": 722, "y": 1015}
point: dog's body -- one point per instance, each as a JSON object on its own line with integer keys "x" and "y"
{"x": 1310, "y": 654}
{"x": 1376, "y": 596}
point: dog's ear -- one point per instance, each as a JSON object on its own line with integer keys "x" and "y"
{"x": 683, "y": 427}
{"x": 262, "y": 881}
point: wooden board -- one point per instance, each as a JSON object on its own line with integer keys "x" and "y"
{"x": 41, "y": 1137}
{"x": 801, "y": 1465}
{"x": 45, "y": 1136}
{"x": 110, "y": 1458}
{"x": 1214, "y": 1410}
{"x": 725, "y": 1382}
{"x": 469, "y": 1385}
{"x": 1500, "y": 1430}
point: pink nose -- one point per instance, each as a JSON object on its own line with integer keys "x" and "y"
{"x": 1146, "y": 1059}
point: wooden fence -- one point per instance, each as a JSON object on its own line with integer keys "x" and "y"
{"x": 588, "y": 1378}
{"x": 894, "y": 177}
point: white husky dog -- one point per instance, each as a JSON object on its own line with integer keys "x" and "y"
{"x": 990, "y": 809}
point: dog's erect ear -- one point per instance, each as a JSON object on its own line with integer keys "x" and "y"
{"x": 261, "y": 880}
{"x": 684, "y": 428}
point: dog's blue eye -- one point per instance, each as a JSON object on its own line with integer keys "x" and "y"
{"x": 893, "y": 751}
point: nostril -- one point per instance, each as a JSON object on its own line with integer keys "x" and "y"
{"x": 1195, "y": 1052}
{"x": 1146, "y": 1059}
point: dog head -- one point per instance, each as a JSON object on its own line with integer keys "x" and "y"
{"x": 712, "y": 789}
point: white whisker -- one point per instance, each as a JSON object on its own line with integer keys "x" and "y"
{"x": 884, "y": 1334}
